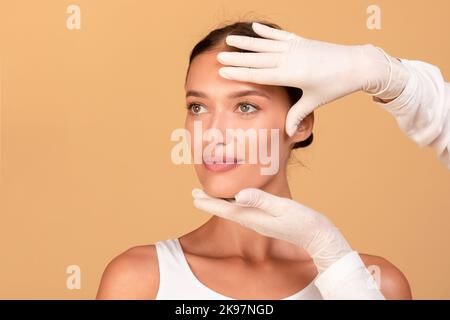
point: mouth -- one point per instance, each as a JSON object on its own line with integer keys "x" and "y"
{"x": 221, "y": 165}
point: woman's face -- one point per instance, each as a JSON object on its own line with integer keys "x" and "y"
{"x": 216, "y": 103}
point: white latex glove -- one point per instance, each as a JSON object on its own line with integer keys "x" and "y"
{"x": 288, "y": 220}
{"x": 280, "y": 218}
{"x": 324, "y": 71}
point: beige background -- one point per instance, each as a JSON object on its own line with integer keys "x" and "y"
{"x": 86, "y": 118}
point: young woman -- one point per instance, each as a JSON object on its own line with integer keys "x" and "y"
{"x": 223, "y": 259}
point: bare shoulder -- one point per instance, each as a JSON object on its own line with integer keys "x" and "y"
{"x": 393, "y": 283}
{"x": 133, "y": 274}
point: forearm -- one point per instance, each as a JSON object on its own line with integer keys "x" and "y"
{"x": 422, "y": 109}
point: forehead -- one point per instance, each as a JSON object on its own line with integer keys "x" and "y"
{"x": 204, "y": 76}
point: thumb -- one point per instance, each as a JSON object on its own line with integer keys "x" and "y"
{"x": 298, "y": 112}
{"x": 257, "y": 198}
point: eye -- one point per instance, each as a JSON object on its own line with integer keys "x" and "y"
{"x": 196, "y": 108}
{"x": 247, "y": 108}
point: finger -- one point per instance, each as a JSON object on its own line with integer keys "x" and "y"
{"x": 200, "y": 194}
{"x": 262, "y": 76}
{"x": 256, "y": 44}
{"x": 271, "y": 33}
{"x": 257, "y": 198}
{"x": 216, "y": 206}
{"x": 298, "y": 112}
{"x": 249, "y": 59}
{"x": 224, "y": 209}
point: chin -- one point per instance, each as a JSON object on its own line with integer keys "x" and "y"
{"x": 227, "y": 184}
{"x": 220, "y": 188}
{"x": 217, "y": 184}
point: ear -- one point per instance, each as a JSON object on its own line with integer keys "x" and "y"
{"x": 304, "y": 129}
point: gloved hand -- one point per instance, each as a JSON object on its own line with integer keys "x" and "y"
{"x": 324, "y": 71}
{"x": 280, "y": 218}
{"x": 344, "y": 275}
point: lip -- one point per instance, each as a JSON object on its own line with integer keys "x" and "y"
{"x": 220, "y": 167}
{"x": 226, "y": 165}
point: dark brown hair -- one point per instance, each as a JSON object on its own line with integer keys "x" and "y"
{"x": 216, "y": 38}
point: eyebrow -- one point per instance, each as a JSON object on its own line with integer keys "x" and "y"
{"x": 236, "y": 94}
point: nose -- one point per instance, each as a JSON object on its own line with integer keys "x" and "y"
{"x": 216, "y": 132}
{"x": 218, "y": 123}
{"x": 221, "y": 120}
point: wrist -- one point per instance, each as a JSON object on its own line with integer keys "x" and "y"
{"x": 400, "y": 77}
{"x": 386, "y": 76}
{"x": 327, "y": 248}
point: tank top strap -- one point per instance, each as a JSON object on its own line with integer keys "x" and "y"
{"x": 174, "y": 278}
{"x": 170, "y": 259}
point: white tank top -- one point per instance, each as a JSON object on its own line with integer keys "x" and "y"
{"x": 178, "y": 282}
